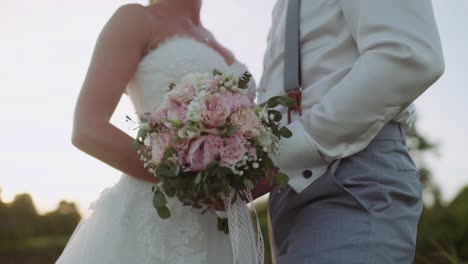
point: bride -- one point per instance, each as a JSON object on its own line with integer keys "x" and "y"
{"x": 138, "y": 52}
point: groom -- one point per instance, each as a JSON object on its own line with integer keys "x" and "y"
{"x": 354, "y": 194}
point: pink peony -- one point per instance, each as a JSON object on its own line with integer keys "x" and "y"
{"x": 233, "y": 151}
{"x": 247, "y": 121}
{"x": 215, "y": 111}
{"x": 178, "y": 111}
{"x": 160, "y": 143}
{"x": 202, "y": 151}
{"x": 182, "y": 149}
{"x": 236, "y": 101}
{"x": 158, "y": 117}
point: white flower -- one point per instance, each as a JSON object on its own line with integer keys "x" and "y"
{"x": 228, "y": 84}
{"x": 255, "y": 165}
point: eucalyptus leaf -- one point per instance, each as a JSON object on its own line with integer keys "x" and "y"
{"x": 142, "y": 134}
{"x": 285, "y": 132}
{"x": 164, "y": 172}
{"x": 159, "y": 199}
{"x": 281, "y": 180}
{"x": 163, "y": 212}
{"x": 286, "y": 101}
{"x": 248, "y": 184}
{"x": 176, "y": 169}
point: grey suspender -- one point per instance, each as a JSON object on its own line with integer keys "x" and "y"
{"x": 292, "y": 56}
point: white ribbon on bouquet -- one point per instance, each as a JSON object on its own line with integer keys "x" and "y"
{"x": 246, "y": 241}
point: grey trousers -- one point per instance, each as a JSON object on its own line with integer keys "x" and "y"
{"x": 364, "y": 209}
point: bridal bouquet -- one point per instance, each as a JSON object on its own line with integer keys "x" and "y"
{"x": 209, "y": 142}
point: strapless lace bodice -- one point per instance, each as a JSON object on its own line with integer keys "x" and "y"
{"x": 123, "y": 226}
{"x": 170, "y": 61}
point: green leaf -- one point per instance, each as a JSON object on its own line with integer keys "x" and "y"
{"x": 165, "y": 171}
{"x": 136, "y": 145}
{"x": 281, "y": 180}
{"x": 248, "y": 184}
{"x": 163, "y": 212}
{"x": 175, "y": 122}
{"x": 286, "y": 101}
{"x": 280, "y": 100}
{"x": 285, "y": 132}
{"x": 231, "y": 130}
{"x": 169, "y": 153}
{"x": 198, "y": 178}
{"x": 142, "y": 134}
{"x": 273, "y": 101}
{"x": 159, "y": 199}
{"x": 176, "y": 169}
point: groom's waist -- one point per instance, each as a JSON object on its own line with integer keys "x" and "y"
{"x": 391, "y": 131}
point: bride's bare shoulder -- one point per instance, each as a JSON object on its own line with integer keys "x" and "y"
{"x": 133, "y": 13}
{"x": 134, "y": 17}
{"x": 130, "y": 23}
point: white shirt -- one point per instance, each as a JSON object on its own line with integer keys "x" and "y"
{"x": 363, "y": 64}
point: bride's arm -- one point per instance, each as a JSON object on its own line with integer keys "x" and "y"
{"x": 117, "y": 54}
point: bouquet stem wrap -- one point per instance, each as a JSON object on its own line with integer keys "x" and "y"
{"x": 246, "y": 241}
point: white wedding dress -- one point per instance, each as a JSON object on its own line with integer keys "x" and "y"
{"x": 123, "y": 226}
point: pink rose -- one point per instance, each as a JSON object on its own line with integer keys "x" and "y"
{"x": 182, "y": 93}
{"x": 202, "y": 151}
{"x": 215, "y": 111}
{"x": 233, "y": 150}
{"x": 160, "y": 143}
{"x": 236, "y": 101}
{"x": 247, "y": 121}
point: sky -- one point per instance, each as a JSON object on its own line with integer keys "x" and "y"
{"x": 45, "y": 49}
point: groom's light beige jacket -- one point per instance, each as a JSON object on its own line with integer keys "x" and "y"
{"x": 363, "y": 64}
